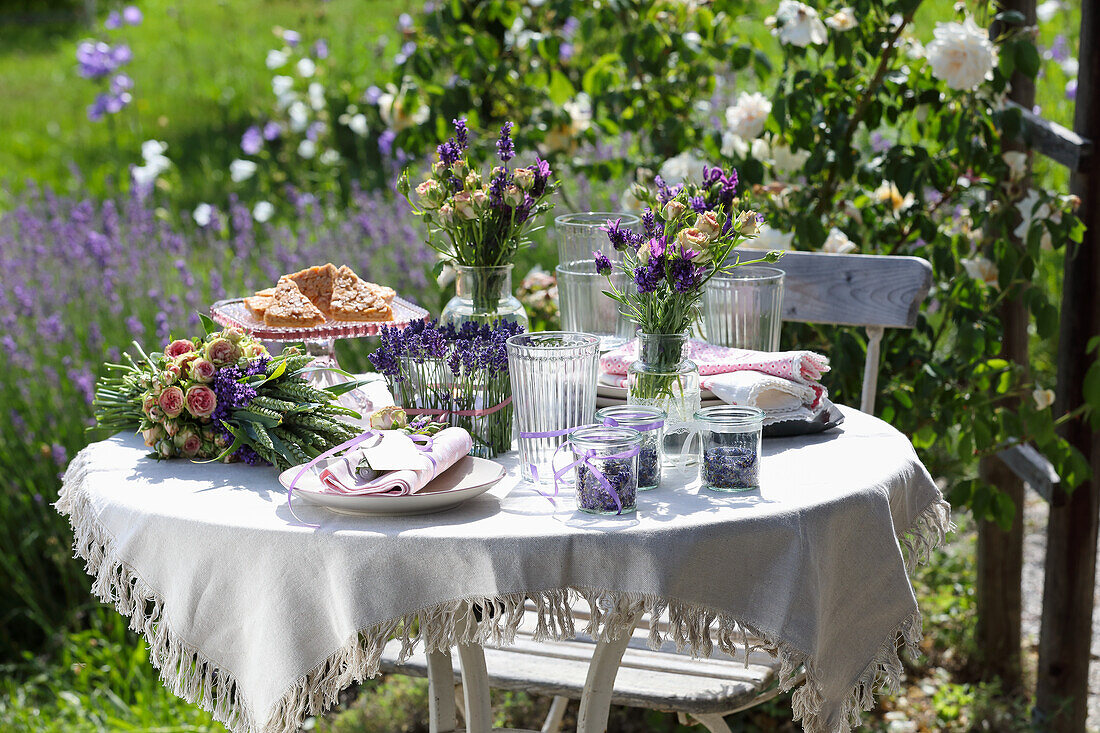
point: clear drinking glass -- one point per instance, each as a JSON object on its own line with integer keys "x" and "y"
{"x": 731, "y": 437}
{"x": 553, "y": 390}
{"x": 585, "y": 308}
{"x": 650, "y": 422}
{"x": 609, "y": 454}
{"x": 744, "y": 308}
{"x": 580, "y": 234}
{"x": 483, "y": 295}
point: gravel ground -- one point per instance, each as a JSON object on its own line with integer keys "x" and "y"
{"x": 1035, "y": 525}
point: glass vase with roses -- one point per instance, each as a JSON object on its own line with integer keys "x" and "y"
{"x": 689, "y": 234}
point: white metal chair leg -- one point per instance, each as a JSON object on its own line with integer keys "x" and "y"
{"x": 600, "y": 683}
{"x": 552, "y": 724}
{"x": 475, "y": 689}
{"x": 713, "y": 722}
{"x": 441, "y": 701}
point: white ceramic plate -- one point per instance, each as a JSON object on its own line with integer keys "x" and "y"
{"x": 466, "y": 479}
{"x": 619, "y": 393}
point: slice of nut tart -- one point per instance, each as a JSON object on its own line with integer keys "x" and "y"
{"x": 266, "y": 292}
{"x": 257, "y": 304}
{"x": 289, "y": 307}
{"x": 384, "y": 291}
{"x": 355, "y": 300}
{"x": 316, "y": 284}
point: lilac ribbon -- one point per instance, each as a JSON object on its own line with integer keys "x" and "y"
{"x": 361, "y": 438}
{"x": 328, "y": 478}
{"x": 585, "y": 458}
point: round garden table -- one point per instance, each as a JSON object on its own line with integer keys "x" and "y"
{"x": 262, "y": 619}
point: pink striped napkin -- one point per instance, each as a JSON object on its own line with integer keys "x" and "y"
{"x": 801, "y": 367}
{"x": 447, "y": 447}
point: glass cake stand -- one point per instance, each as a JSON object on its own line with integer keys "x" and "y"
{"x": 319, "y": 341}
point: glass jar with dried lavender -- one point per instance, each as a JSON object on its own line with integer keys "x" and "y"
{"x": 650, "y": 422}
{"x": 606, "y": 460}
{"x": 730, "y": 435}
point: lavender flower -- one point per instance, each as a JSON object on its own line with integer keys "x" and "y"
{"x": 252, "y": 141}
{"x": 272, "y": 131}
{"x": 131, "y": 15}
{"x": 506, "y": 148}
{"x": 650, "y": 225}
{"x": 648, "y": 277}
{"x": 113, "y": 21}
{"x": 461, "y": 133}
{"x": 603, "y": 264}
{"x": 320, "y": 49}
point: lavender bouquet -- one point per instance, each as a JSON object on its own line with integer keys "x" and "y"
{"x": 457, "y": 375}
{"x": 689, "y": 235}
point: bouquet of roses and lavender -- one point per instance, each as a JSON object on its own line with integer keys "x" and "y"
{"x": 223, "y": 397}
{"x": 458, "y": 375}
{"x": 689, "y": 235}
{"x": 474, "y": 220}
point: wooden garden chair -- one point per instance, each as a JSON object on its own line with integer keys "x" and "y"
{"x": 871, "y": 291}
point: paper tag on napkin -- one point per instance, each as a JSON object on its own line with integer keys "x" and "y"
{"x": 395, "y": 452}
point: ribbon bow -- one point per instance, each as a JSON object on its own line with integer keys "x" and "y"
{"x": 586, "y": 457}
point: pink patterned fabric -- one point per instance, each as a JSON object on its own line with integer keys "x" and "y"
{"x": 801, "y": 367}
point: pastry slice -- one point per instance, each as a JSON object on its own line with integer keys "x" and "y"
{"x": 266, "y": 292}
{"x": 257, "y": 304}
{"x": 290, "y": 307}
{"x": 316, "y": 284}
{"x": 384, "y": 291}
{"x": 355, "y": 300}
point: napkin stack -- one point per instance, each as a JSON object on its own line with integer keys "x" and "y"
{"x": 784, "y": 384}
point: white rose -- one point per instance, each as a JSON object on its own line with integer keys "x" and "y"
{"x": 798, "y": 24}
{"x": 842, "y": 20}
{"x": 299, "y": 117}
{"x": 316, "y": 96}
{"x": 888, "y": 193}
{"x": 962, "y": 56}
{"x": 330, "y": 157}
{"x": 281, "y": 85}
{"x": 761, "y": 150}
{"x": 358, "y": 125}
{"x": 629, "y": 202}
{"x": 202, "y": 214}
{"x": 1017, "y": 164}
{"x": 307, "y": 149}
{"x": 684, "y": 167}
{"x": 838, "y": 243}
{"x": 769, "y": 239}
{"x": 263, "y": 211}
{"x": 981, "y": 269}
{"x": 306, "y": 68}
{"x": 275, "y": 59}
{"x": 746, "y": 118}
{"x": 1045, "y": 12}
{"x": 241, "y": 170}
{"x": 734, "y": 145}
{"x": 392, "y": 108}
{"x": 1031, "y": 211}
{"x": 151, "y": 149}
{"x": 786, "y": 161}
{"x": 1044, "y": 398}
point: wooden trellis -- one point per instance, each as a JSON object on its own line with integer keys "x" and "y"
{"x": 1061, "y": 704}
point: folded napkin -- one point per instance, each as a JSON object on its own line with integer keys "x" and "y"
{"x": 784, "y": 384}
{"x": 440, "y": 452}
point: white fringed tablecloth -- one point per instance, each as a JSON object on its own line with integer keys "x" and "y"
{"x": 262, "y": 620}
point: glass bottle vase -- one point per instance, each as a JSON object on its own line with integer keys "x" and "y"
{"x": 483, "y": 295}
{"x": 662, "y": 377}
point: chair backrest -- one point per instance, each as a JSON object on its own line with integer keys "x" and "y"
{"x": 873, "y": 291}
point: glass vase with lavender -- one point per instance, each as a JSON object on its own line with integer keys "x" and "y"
{"x": 455, "y": 375}
{"x": 650, "y": 423}
{"x": 689, "y": 234}
{"x": 730, "y": 437}
{"x": 606, "y": 460}
{"x": 477, "y": 224}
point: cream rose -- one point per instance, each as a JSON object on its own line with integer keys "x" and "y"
{"x": 222, "y": 351}
{"x": 201, "y": 401}
{"x": 152, "y": 435}
{"x": 962, "y": 56}
{"x": 464, "y": 206}
{"x": 692, "y": 239}
{"x": 746, "y": 118}
{"x": 707, "y": 223}
{"x": 202, "y": 370}
{"x": 170, "y": 401}
{"x": 673, "y": 210}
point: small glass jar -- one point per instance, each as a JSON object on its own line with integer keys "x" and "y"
{"x": 663, "y": 377}
{"x": 730, "y": 435}
{"x": 650, "y": 422}
{"x": 610, "y": 453}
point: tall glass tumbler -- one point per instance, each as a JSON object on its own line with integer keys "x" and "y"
{"x": 581, "y": 234}
{"x": 584, "y": 307}
{"x": 744, "y": 309}
{"x": 553, "y": 390}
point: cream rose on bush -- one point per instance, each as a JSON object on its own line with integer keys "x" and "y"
{"x": 962, "y": 56}
{"x": 842, "y": 20}
{"x": 201, "y": 401}
{"x": 981, "y": 269}
{"x": 797, "y": 24}
{"x": 747, "y": 117}
{"x": 838, "y": 243}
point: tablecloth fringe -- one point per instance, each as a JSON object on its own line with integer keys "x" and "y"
{"x": 197, "y": 679}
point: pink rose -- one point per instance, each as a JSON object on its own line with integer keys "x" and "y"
{"x": 201, "y": 401}
{"x": 177, "y": 347}
{"x": 188, "y": 443}
{"x": 170, "y": 401}
{"x": 222, "y": 352}
{"x": 148, "y": 405}
{"x": 707, "y": 223}
{"x": 171, "y": 427}
{"x": 202, "y": 370}
{"x": 171, "y": 373}
{"x": 152, "y": 435}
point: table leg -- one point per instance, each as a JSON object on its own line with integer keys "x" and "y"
{"x": 441, "y": 699}
{"x": 475, "y": 689}
{"x": 600, "y": 683}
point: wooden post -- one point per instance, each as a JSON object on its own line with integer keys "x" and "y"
{"x": 1001, "y": 552}
{"x": 1061, "y": 700}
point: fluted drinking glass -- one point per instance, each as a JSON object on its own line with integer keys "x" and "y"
{"x": 584, "y": 307}
{"x": 553, "y": 390}
{"x": 580, "y": 234}
{"x": 744, "y": 309}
